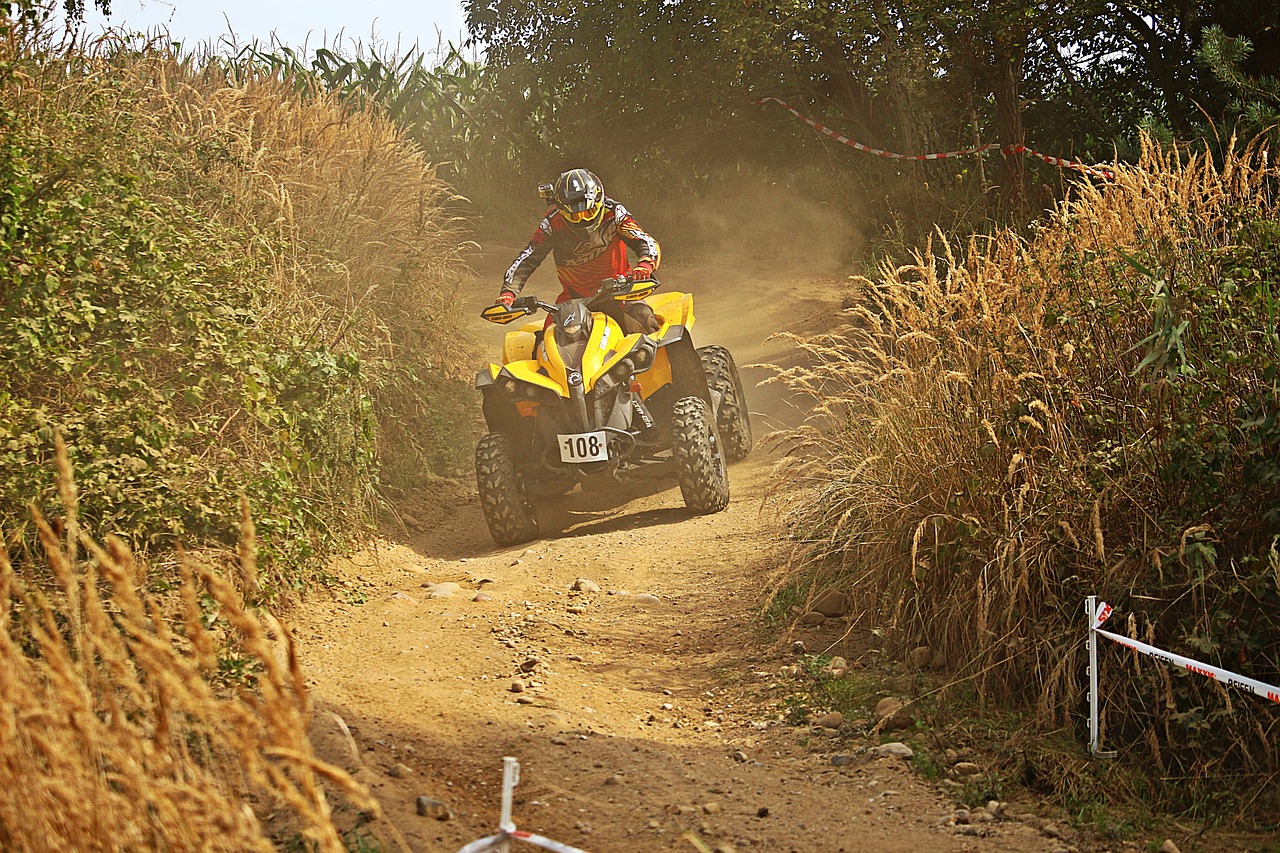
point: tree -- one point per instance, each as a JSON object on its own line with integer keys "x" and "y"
{"x": 29, "y": 8}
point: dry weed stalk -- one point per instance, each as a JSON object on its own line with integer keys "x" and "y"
{"x": 113, "y": 735}
{"x": 998, "y": 465}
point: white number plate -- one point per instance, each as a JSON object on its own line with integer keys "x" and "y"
{"x": 584, "y": 447}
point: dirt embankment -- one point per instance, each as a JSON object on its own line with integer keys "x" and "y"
{"x": 643, "y": 706}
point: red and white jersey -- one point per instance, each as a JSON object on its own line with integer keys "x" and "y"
{"x": 583, "y": 256}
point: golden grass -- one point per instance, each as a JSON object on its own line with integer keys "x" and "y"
{"x": 117, "y": 731}
{"x": 949, "y": 473}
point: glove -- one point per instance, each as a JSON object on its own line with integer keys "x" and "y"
{"x": 506, "y": 297}
{"x": 643, "y": 271}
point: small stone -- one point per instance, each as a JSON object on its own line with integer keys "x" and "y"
{"x": 961, "y": 817}
{"x": 399, "y": 771}
{"x": 524, "y": 700}
{"x": 887, "y": 707}
{"x": 1169, "y": 847}
{"x": 428, "y": 807}
{"x": 515, "y": 563}
{"x": 833, "y": 720}
{"x": 530, "y": 665}
{"x": 995, "y": 807}
{"x": 576, "y": 609}
{"x": 763, "y": 811}
{"x": 837, "y": 667}
{"x": 517, "y": 686}
{"x": 1050, "y": 831}
{"x": 812, "y": 619}
{"x": 559, "y": 741}
{"x": 739, "y": 756}
{"x": 400, "y": 596}
{"x": 711, "y": 808}
{"x": 893, "y": 750}
{"x": 919, "y": 658}
{"x": 585, "y": 585}
{"x": 966, "y": 768}
{"x": 798, "y": 647}
{"x": 575, "y": 658}
{"x": 981, "y": 815}
{"x": 482, "y": 596}
{"x": 724, "y": 848}
{"x": 842, "y": 760}
{"x": 615, "y": 779}
{"x": 646, "y": 598}
{"x": 443, "y": 590}
{"x": 831, "y": 603}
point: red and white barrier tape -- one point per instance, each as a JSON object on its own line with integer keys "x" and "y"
{"x": 494, "y": 842}
{"x": 1231, "y": 679}
{"x": 889, "y": 155}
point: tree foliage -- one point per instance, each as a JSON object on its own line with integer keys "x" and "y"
{"x": 670, "y": 86}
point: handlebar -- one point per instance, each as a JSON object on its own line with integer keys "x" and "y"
{"x": 619, "y": 287}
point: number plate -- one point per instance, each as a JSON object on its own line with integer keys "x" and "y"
{"x": 584, "y": 447}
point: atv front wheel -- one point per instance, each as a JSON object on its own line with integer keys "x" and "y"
{"x": 700, "y": 468}
{"x": 501, "y": 497}
{"x": 732, "y": 419}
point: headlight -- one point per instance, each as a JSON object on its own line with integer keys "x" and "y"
{"x": 622, "y": 370}
{"x": 641, "y": 356}
{"x": 510, "y": 386}
{"x": 572, "y": 329}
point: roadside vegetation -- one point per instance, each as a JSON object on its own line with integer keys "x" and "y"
{"x": 1010, "y": 424}
{"x": 217, "y": 285}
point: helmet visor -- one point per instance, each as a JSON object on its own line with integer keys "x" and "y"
{"x": 581, "y": 211}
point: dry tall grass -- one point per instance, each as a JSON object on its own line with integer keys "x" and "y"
{"x": 984, "y": 452}
{"x": 117, "y": 729}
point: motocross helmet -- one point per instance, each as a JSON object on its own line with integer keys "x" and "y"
{"x": 579, "y": 195}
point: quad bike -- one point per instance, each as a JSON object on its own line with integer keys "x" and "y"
{"x": 583, "y": 403}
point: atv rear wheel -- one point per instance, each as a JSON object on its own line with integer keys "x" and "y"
{"x": 700, "y": 467}
{"x": 501, "y": 496}
{"x": 732, "y": 419}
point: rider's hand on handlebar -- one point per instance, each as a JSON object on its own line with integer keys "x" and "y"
{"x": 505, "y": 298}
{"x": 643, "y": 271}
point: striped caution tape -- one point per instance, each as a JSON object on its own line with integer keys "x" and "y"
{"x": 889, "y": 155}
{"x": 1231, "y": 679}
{"x": 495, "y": 841}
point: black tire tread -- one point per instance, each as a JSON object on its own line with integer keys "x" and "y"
{"x": 700, "y": 468}
{"x": 732, "y": 418}
{"x": 510, "y": 522}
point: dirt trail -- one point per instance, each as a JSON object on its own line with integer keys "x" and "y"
{"x": 648, "y": 718}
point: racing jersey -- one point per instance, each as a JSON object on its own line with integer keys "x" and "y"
{"x": 583, "y": 256}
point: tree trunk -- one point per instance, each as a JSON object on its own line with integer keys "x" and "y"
{"x": 1010, "y": 48}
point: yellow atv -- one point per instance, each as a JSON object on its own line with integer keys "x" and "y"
{"x": 582, "y": 402}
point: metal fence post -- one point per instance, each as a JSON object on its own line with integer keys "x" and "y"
{"x": 510, "y": 778}
{"x": 1091, "y": 614}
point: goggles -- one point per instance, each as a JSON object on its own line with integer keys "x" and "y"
{"x": 582, "y": 215}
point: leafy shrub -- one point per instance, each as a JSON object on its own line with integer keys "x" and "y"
{"x": 215, "y": 288}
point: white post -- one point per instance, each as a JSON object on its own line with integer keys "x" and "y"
{"x": 510, "y": 778}
{"x": 1091, "y": 614}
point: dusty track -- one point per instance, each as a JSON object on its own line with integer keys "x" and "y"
{"x": 648, "y": 719}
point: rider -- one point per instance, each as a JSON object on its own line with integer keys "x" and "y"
{"x": 588, "y": 234}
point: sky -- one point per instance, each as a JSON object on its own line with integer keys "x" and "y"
{"x": 429, "y": 23}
